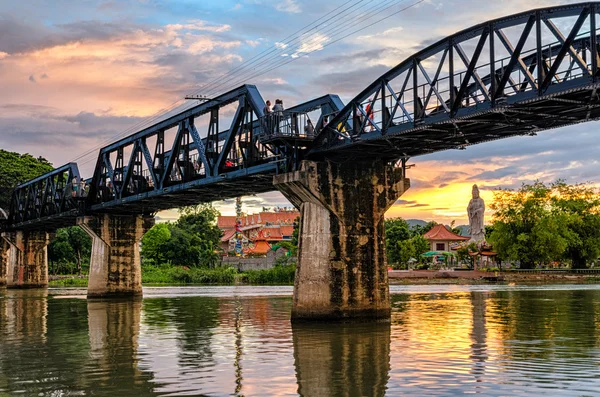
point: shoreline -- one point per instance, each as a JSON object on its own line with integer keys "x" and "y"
{"x": 402, "y": 277}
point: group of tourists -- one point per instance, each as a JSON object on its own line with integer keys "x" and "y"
{"x": 79, "y": 188}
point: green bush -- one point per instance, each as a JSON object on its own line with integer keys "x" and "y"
{"x": 278, "y": 275}
{"x": 69, "y": 282}
{"x": 422, "y": 266}
{"x": 179, "y": 275}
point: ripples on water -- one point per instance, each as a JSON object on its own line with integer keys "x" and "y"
{"x": 222, "y": 341}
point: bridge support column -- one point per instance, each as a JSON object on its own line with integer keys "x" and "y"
{"x": 4, "y": 257}
{"x": 26, "y": 259}
{"x": 342, "y": 268}
{"x": 115, "y": 267}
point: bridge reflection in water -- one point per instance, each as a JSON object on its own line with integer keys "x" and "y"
{"x": 442, "y": 341}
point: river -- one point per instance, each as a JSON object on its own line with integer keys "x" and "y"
{"x": 221, "y": 341}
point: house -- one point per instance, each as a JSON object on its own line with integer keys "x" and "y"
{"x": 258, "y": 230}
{"x": 442, "y": 240}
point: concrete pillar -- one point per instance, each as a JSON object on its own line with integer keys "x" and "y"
{"x": 4, "y": 256}
{"x": 342, "y": 268}
{"x": 115, "y": 267}
{"x": 27, "y": 265}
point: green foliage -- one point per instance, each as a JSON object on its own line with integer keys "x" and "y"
{"x": 463, "y": 254}
{"x": 69, "y": 251}
{"x": 191, "y": 241}
{"x": 540, "y": 224}
{"x": 154, "y": 243}
{"x": 17, "y": 168}
{"x": 276, "y": 275}
{"x": 404, "y": 242}
{"x": 69, "y": 282}
{"x": 166, "y": 274}
{"x": 396, "y": 232}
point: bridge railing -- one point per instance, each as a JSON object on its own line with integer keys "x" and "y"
{"x": 302, "y": 122}
{"x": 58, "y": 192}
{"x": 366, "y": 120}
{"x": 495, "y": 64}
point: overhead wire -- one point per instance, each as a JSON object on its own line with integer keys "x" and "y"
{"x": 307, "y": 50}
{"x": 160, "y": 113}
{"x": 311, "y": 46}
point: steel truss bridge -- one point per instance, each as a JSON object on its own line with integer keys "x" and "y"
{"x": 511, "y": 76}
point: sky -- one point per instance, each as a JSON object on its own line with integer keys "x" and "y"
{"x": 74, "y": 74}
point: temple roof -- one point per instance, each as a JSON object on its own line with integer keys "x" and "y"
{"x": 441, "y": 233}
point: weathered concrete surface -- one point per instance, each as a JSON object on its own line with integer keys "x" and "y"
{"x": 360, "y": 353}
{"x": 342, "y": 267}
{"x": 27, "y": 265}
{"x": 115, "y": 267}
{"x": 4, "y": 257}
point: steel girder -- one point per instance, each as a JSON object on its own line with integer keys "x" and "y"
{"x": 150, "y": 171}
{"x": 46, "y": 200}
{"x": 510, "y": 76}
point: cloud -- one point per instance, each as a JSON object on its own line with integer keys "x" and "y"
{"x": 290, "y": 6}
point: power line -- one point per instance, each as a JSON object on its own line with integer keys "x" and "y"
{"x": 173, "y": 106}
{"x": 287, "y": 48}
{"x": 319, "y": 46}
{"x": 313, "y": 48}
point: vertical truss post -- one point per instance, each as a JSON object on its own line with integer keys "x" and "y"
{"x": 539, "y": 60}
{"x": 593, "y": 42}
{"x": 384, "y": 111}
{"x": 416, "y": 116}
{"x": 451, "y": 75}
{"x": 492, "y": 65}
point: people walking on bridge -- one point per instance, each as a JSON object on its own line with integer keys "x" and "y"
{"x": 267, "y": 108}
{"x": 81, "y": 192}
{"x": 74, "y": 187}
{"x": 309, "y": 129}
{"x": 278, "y": 113}
{"x": 369, "y": 111}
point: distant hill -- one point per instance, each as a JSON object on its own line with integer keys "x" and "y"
{"x": 416, "y": 222}
{"x": 464, "y": 230}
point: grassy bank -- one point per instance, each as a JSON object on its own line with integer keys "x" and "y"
{"x": 170, "y": 275}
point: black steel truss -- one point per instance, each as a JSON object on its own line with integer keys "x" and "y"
{"x": 511, "y": 76}
{"x": 491, "y": 81}
{"x": 45, "y": 198}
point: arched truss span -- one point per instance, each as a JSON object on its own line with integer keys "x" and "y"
{"x": 511, "y": 76}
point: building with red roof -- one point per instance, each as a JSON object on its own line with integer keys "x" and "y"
{"x": 441, "y": 239}
{"x": 261, "y": 230}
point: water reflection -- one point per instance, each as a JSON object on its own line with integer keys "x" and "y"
{"x": 342, "y": 360}
{"x": 440, "y": 343}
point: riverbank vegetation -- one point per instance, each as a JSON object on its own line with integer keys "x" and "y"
{"x": 546, "y": 224}
{"x": 281, "y": 274}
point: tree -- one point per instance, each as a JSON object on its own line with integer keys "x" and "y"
{"x": 396, "y": 231}
{"x": 17, "y": 168}
{"x": 540, "y": 224}
{"x": 80, "y": 243}
{"x": 154, "y": 243}
{"x": 405, "y": 251}
{"x": 194, "y": 238}
{"x": 421, "y": 245}
{"x": 580, "y": 204}
{"x": 71, "y": 245}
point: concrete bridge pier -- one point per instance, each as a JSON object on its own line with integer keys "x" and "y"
{"x": 115, "y": 267}
{"x": 342, "y": 267}
{"x": 25, "y": 255}
{"x": 4, "y": 256}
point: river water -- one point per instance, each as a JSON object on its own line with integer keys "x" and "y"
{"x": 224, "y": 341}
